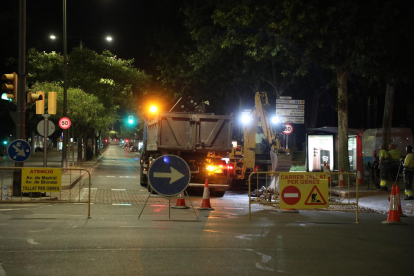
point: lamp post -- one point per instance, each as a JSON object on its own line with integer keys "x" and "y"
{"x": 65, "y": 88}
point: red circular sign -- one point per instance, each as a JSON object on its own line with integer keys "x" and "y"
{"x": 64, "y": 122}
{"x": 291, "y": 195}
{"x": 288, "y": 129}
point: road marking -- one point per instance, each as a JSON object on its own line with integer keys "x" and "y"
{"x": 2, "y": 272}
{"x": 110, "y": 176}
{"x": 31, "y": 241}
{"x": 6, "y": 209}
{"x": 35, "y": 231}
{"x": 118, "y": 189}
{"x": 127, "y": 204}
{"x": 262, "y": 264}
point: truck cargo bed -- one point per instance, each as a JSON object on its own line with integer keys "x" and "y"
{"x": 190, "y": 132}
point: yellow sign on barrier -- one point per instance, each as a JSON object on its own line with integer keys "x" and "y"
{"x": 41, "y": 180}
{"x": 303, "y": 190}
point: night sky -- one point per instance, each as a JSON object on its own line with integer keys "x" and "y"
{"x": 128, "y": 22}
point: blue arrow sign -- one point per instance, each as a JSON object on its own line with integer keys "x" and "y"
{"x": 169, "y": 175}
{"x": 19, "y": 150}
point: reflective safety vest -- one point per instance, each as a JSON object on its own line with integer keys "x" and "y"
{"x": 384, "y": 154}
{"x": 395, "y": 154}
{"x": 409, "y": 161}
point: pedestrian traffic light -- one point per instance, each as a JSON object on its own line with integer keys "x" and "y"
{"x": 11, "y": 85}
{"x": 130, "y": 120}
{"x": 33, "y": 97}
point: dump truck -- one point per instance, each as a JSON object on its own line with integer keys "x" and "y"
{"x": 261, "y": 149}
{"x": 201, "y": 139}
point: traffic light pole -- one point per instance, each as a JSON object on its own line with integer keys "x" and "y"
{"x": 21, "y": 94}
{"x": 65, "y": 89}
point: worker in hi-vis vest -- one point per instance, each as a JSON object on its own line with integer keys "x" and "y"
{"x": 408, "y": 173}
{"x": 384, "y": 164}
{"x": 395, "y": 163}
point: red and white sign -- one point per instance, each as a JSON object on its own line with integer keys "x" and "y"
{"x": 288, "y": 129}
{"x": 64, "y": 123}
{"x": 291, "y": 195}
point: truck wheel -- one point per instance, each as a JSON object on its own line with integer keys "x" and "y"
{"x": 217, "y": 193}
{"x": 143, "y": 180}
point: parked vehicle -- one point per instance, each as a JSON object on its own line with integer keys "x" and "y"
{"x": 201, "y": 139}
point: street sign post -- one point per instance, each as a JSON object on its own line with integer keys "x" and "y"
{"x": 288, "y": 129}
{"x": 50, "y": 128}
{"x": 290, "y": 111}
{"x": 169, "y": 175}
{"x": 19, "y": 150}
{"x": 64, "y": 123}
{"x": 282, "y": 101}
{"x": 292, "y": 120}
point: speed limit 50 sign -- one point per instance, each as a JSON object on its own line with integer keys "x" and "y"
{"x": 288, "y": 129}
{"x": 64, "y": 122}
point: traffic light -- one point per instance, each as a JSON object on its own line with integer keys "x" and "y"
{"x": 130, "y": 120}
{"x": 51, "y": 98}
{"x": 11, "y": 85}
{"x": 40, "y": 104}
{"x": 32, "y": 97}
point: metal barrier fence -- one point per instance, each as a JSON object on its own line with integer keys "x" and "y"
{"x": 269, "y": 199}
{"x": 70, "y": 191}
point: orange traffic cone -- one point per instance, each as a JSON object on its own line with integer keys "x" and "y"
{"x": 341, "y": 178}
{"x": 397, "y": 192}
{"x": 205, "y": 205}
{"x": 359, "y": 176}
{"x": 180, "y": 202}
{"x": 393, "y": 216}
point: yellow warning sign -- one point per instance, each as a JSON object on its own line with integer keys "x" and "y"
{"x": 41, "y": 179}
{"x": 303, "y": 190}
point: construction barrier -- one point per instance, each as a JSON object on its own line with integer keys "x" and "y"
{"x": 272, "y": 197}
{"x": 45, "y": 185}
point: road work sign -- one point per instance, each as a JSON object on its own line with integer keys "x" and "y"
{"x": 303, "y": 190}
{"x": 169, "y": 175}
{"x": 41, "y": 180}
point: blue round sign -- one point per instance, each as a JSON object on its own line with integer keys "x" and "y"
{"x": 19, "y": 150}
{"x": 169, "y": 175}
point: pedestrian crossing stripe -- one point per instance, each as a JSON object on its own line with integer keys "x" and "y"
{"x": 315, "y": 197}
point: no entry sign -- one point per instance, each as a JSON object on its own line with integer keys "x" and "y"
{"x": 64, "y": 122}
{"x": 291, "y": 195}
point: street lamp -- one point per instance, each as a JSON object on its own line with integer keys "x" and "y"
{"x": 52, "y": 37}
{"x": 109, "y": 38}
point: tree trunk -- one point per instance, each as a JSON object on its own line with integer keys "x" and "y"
{"x": 387, "y": 118}
{"x": 343, "y": 159}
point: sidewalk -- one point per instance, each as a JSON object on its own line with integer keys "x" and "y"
{"x": 371, "y": 198}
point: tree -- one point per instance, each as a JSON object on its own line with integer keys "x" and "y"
{"x": 85, "y": 111}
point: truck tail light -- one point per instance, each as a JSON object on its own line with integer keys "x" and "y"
{"x": 230, "y": 167}
{"x": 215, "y": 169}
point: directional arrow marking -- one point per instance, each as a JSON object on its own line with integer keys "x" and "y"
{"x": 20, "y": 152}
{"x": 174, "y": 175}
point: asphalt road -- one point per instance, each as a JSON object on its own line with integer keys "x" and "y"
{"x": 58, "y": 239}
